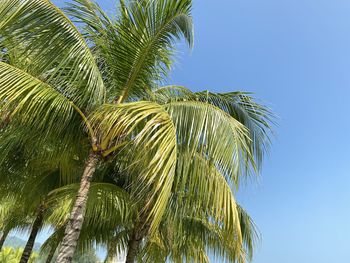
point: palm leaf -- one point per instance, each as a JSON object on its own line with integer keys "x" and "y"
{"x": 151, "y": 157}
{"x": 34, "y": 102}
{"x": 54, "y": 49}
{"x": 137, "y": 48}
{"x": 208, "y": 130}
{"x": 257, "y": 118}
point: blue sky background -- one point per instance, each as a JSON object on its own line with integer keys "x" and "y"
{"x": 295, "y": 56}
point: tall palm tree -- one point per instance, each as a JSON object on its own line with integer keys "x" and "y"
{"x": 97, "y": 87}
{"x": 31, "y": 179}
{"x": 28, "y": 175}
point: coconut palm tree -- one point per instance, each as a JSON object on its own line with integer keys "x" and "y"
{"x": 28, "y": 176}
{"x": 97, "y": 87}
{"x": 180, "y": 235}
{"x": 32, "y": 177}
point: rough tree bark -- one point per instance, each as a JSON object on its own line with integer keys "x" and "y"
{"x": 34, "y": 232}
{"x": 76, "y": 219}
{"x": 3, "y": 238}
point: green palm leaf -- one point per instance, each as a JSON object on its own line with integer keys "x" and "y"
{"x": 137, "y": 48}
{"x": 33, "y": 101}
{"x": 208, "y": 130}
{"x": 150, "y": 133}
{"x": 54, "y": 49}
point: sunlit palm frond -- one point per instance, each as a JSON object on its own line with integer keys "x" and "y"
{"x": 54, "y": 49}
{"x": 139, "y": 47}
{"x": 151, "y": 137}
{"x": 201, "y": 186}
{"x": 257, "y": 118}
{"x": 170, "y": 93}
{"x": 91, "y": 16}
{"x": 32, "y": 101}
{"x": 181, "y": 237}
{"x": 249, "y": 231}
{"x": 206, "y": 129}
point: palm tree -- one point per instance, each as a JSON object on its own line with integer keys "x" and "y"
{"x": 179, "y": 236}
{"x": 34, "y": 183}
{"x": 97, "y": 88}
{"x": 28, "y": 176}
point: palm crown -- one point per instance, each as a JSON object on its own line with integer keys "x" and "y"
{"x": 94, "y": 90}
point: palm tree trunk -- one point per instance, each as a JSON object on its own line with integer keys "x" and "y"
{"x": 51, "y": 254}
{"x": 139, "y": 232}
{"x": 35, "y": 229}
{"x": 133, "y": 247}
{"x": 76, "y": 219}
{"x": 3, "y": 237}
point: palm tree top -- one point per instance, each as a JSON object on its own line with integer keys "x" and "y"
{"x": 91, "y": 83}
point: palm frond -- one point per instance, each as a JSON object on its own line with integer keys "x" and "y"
{"x": 257, "y": 118}
{"x": 54, "y": 50}
{"x": 32, "y": 101}
{"x": 107, "y": 206}
{"x": 201, "y": 186}
{"x": 139, "y": 45}
{"x": 206, "y": 129}
{"x": 151, "y": 137}
{"x": 108, "y": 209}
{"x": 91, "y": 16}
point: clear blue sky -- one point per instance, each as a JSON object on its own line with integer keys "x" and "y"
{"x": 295, "y": 56}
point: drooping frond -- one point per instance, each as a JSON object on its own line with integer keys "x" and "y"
{"x": 95, "y": 21}
{"x": 249, "y": 231}
{"x": 197, "y": 176}
{"x": 180, "y": 237}
{"x": 107, "y": 206}
{"x": 26, "y": 153}
{"x": 108, "y": 209}
{"x": 257, "y": 118}
{"x": 13, "y": 214}
{"x": 151, "y": 152}
{"x": 32, "y": 101}
{"x": 206, "y": 129}
{"x": 53, "y": 49}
